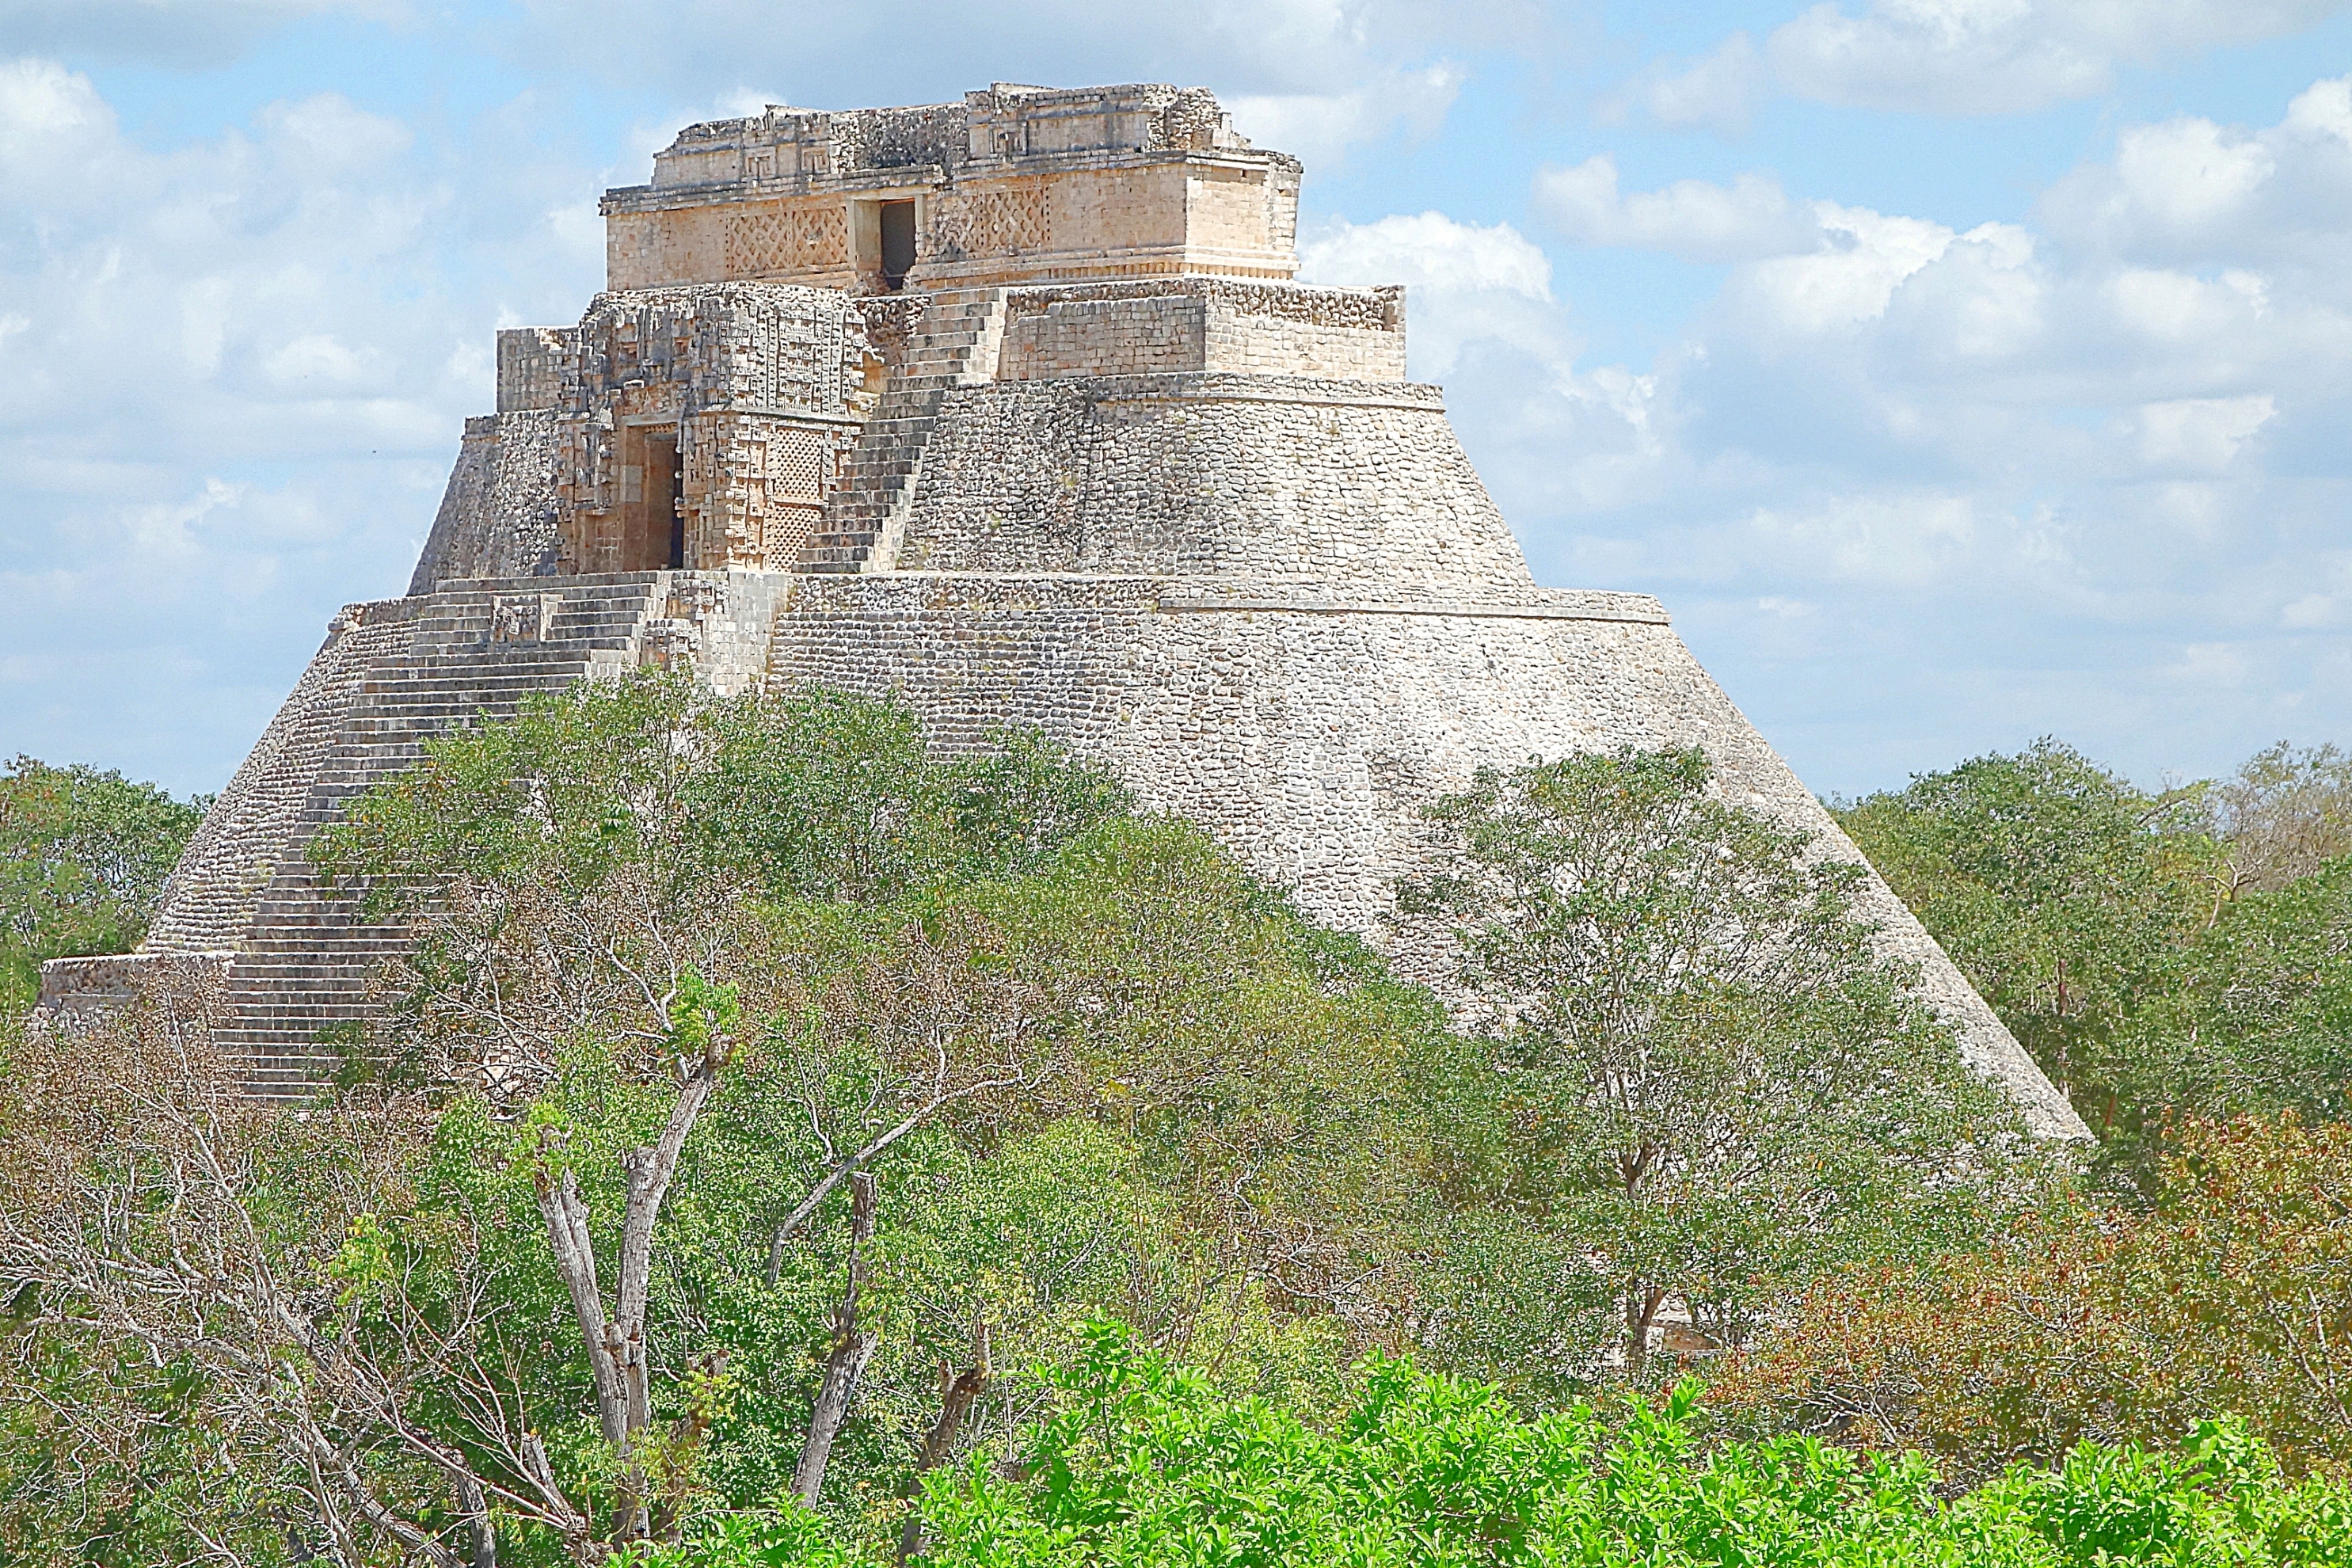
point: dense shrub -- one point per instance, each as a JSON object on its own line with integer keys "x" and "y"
{"x": 2232, "y": 1290}
{"x": 1145, "y": 1464}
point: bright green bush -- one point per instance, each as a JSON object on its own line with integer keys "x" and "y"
{"x": 1145, "y": 1466}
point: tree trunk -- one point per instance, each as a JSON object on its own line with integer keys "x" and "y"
{"x": 617, "y": 1344}
{"x": 958, "y": 1393}
{"x": 566, "y": 1213}
{"x": 1642, "y": 1302}
{"x": 853, "y": 1346}
{"x": 480, "y": 1537}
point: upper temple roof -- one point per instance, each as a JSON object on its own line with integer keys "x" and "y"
{"x": 1012, "y": 184}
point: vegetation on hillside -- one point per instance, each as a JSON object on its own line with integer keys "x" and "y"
{"x": 786, "y": 1145}
{"x": 1142, "y": 1464}
{"x": 83, "y": 855}
{"x": 2187, "y": 953}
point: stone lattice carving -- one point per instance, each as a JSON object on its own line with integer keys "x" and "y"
{"x": 991, "y": 223}
{"x": 779, "y": 237}
{"x": 1016, "y": 183}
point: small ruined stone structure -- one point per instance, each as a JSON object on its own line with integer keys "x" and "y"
{"x": 1008, "y": 407}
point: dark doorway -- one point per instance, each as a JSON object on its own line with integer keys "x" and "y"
{"x": 649, "y": 532}
{"x": 898, "y": 243}
{"x": 676, "y": 511}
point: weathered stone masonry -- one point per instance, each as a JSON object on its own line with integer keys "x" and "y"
{"x": 1008, "y": 409}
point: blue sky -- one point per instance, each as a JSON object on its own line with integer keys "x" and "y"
{"x": 1957, "y": 371}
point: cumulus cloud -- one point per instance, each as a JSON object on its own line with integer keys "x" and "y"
{"x": 2081, "y": 474}
{"x": 1951, "y": 56}
{"x": 1979, "y": 57}
{"x": 1319, "y": 128}
{"x": 1720, "y": 91}
{"x": 2189, "y": 190}
{"x": 1325, "y": 74}
{"x": 2200, "y": 435}
{"x": 181, "y": 33}
{"x": 1483, "y": 317}
{"x": 236, "y": 373}
{"x": 1464, "y": 282}
{"x": 1695, "y": 219}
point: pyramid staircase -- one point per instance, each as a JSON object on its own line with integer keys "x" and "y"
{"x": 307, "y": 964}
{"x": 955, "y": 343}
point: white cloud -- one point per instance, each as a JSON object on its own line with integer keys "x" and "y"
{"x": 1720, "y": 91}
{"x": 1464, "y": 282}
{"x": 1695, "y": 219}
{"x": 2188, "y": 172}
{"x": 181, "y": 33}
{"x": 1977, "y": 57}
{"x": 2170, "y": 307}
{"x": 2189, "y": 192}
{"x": 1952, "y": 56}
{"x": 1319, "y": 128}
{"x": 2324, "y": 109}
{"x": 2211, "y": 664}
{"x": 235, "y": 384}
{"x": 1901, "y": 541}
{"x": 2201, "y": 435}
{"x": 1946, "y": 55}
{"x": 1483, "y": 317}
{"x": 1309, "y": 77}
{"x": 2084, "y": 473}
{"x": 1864, "y": 254}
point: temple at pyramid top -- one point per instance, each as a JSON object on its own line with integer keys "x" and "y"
{"x": 1015, "y": 184}
{"x": 791, "y": 298}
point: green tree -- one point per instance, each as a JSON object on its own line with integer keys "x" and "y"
{"x": 2285, "y": 813}
{"x": 1142, "y": 1462}
{"x": 2256, "y": 1014}
{"x": 83, "y": 856}
{"x": 717, "y": 1152}
{"x": 1699, "y": 1067}
{"x": 2232, "y": 1294}
{"x": 2066, "y": 897}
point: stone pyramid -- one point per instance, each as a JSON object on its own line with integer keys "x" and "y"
{"x": 1008, "y": 407}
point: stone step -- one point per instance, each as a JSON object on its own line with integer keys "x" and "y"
{"x": 310, "y": 957}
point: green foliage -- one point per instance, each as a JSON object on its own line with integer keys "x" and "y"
{"x": 83, "y": 856}
{"x": 1093, "y": 1070}
{"x": 2256, "y": 1013}
{"x": 2064, "y": 894}
{"x": 816, "y": 795}
{"x": 2284, "y": 813}
{"x": 2182, "y": 954}
{"x": 1144, "y": 1463}
{"x": 1128, "y": 1077}
{"x": 2234, "y": 1291}
{"x": 787, "y": 1536}
{"x": 1700, "y": 1069}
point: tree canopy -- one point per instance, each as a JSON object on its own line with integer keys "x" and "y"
{"x": 1700, "y": 1066}
{"x": 83, "y": 858}
{"x": 784, "y": 1142}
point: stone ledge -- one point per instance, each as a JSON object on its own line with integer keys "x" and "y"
{"x": 1638, "y": 609}
{"x": 1232, "y": 386}
{"x": 1378, "y": 308}
{"x": 1193, "y": 595}
{"x": 118, "y": 979}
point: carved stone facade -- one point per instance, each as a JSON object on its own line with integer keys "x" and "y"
{"x": 692, "y": 427}
{"x": 1096, "y": 467}
{"x": 1013, "y": 185}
